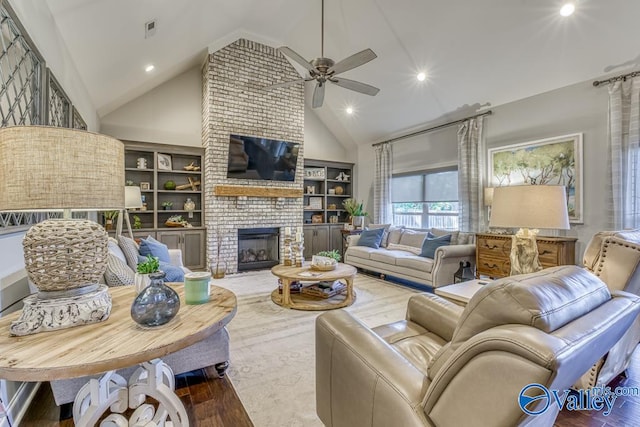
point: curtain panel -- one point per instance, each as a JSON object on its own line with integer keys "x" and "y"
{"x": 471, "y": 172}
{"x": 382, "y": 209}
{"x": 624, "y": 144}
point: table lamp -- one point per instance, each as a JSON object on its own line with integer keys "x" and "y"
{"x": 488, "y": 199}
{"x": 528, "y": 207}
{"x": 132, "y": 200}
{"x": 58, "y": 169}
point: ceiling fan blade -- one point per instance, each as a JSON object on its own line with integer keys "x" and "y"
{"x": 354, "y": 85}
{"x": 353, "y": 61}
{"x": 285, "y": 84}
{"x": 318, "y": 96}
{"x": 298, "y": 58}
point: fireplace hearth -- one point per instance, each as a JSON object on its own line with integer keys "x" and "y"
{"x": 258, "y": 248}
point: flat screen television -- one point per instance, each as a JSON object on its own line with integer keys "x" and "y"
{"x": 251, "y": 157}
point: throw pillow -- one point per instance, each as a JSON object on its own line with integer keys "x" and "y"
{"x": 371, "y": 238}
{"x": 151, "y": 246}
{"x": 385, "y": 235}
{"x": 395, "y": 233}
{"x": 413, "y": 238}
{"x": 130, "y": 249}
{"x": 117, "y": 272}
{"x": 431, "y": 243}
{"x": 113, "y": 248}
{"x": 172, "y": 273}
{"x": 438, "y": 232}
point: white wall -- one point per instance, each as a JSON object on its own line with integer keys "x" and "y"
{"x": 320, "y": 143}
{"x": 36, "y": 17}
{"x": 169, "y": 114}
{"x": 572, "y": 109}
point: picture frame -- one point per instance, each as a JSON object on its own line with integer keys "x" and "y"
{"x": 145, "y": 186}
{"x": 164, "y": 162}
{"x": 550, "y": 161}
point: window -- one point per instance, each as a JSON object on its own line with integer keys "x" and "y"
{"x": 426, "y": 199}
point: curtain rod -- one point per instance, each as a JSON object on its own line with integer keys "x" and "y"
{"x": 616, "y": 78}
{"x": 431, "y": 129}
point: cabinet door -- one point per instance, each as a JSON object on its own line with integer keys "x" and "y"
{"x": 193, "y": 254}
{"x": 308, "y": 242}
{"x": 335, "y": 242}
{"x": 321, "y": 239}
{"x": 173, "y": 239}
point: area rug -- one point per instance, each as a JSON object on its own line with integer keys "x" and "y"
{"x": 273, "y": 348}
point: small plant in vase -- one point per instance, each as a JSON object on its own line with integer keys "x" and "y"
{"x": 356, "y": 211}
{"x": 167, "y": 205}
{"x": 331, "y": 254}
{"x": 143, "y": 270}
{"x": 137, "y": 222}
{"x": 109, "y": 216}
{"x": 156, "y": 303}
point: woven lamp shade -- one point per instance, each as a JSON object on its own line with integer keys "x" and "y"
{"x": 47, "y": 168}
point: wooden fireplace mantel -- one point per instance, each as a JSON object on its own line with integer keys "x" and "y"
{"x": 253, "y": 191}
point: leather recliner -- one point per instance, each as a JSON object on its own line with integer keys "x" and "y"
{"x": 451, "y": 366}
{"x": 614, "y": 256}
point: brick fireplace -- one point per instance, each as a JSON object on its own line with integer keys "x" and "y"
{"x": 235, "y": 103}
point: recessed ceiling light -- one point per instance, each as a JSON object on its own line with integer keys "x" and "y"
{"x": 149, "y": 68}
{"x": 421, "y": 76}
{"x": 567, "y": 9}
{"x": 349, "y": 110}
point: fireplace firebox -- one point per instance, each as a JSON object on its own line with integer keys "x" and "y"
{"x": 258, "y": 248}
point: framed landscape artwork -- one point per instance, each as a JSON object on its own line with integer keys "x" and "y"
{"x": 551, "y": 161}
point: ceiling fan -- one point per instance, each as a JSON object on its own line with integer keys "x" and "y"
{"x": 324, "y": 70}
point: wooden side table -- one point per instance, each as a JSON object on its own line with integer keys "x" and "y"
{"x": 345, "y": 237}
{"x": 113, "y": 344}
{"x": 493, "y": 251}
{"x": 304, "y": 274}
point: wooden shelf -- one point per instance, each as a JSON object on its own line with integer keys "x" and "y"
{"x": 250, "y": 191}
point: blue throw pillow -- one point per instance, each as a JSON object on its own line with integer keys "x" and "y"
{"x": 172, "y": 273}
{"x": 151, "y": 246}
{"x": 371, "y": 238}
{"x": 431, "y": 243}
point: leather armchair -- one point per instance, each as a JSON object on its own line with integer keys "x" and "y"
{"x": 613, "y": 256}
{"x": 445, "y": 365}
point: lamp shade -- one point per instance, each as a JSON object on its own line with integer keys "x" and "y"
{"x": 488, "y": 196}
{"x": 50, "y": 168}
{"x": 530, "y": 206}
{"x": 132, "y": 197}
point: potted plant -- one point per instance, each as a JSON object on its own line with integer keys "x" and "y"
{"x": 143, "y": 270}
{"x": 137, "y": 222}
{"x": 109, "y": 216}
{"x": 167, "y": 205}
{"x": 330, "y": 254}
{"x": 356, "y": 211}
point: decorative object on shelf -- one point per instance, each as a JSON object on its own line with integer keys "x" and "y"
{"x": 342, "y": 177}
{"x": 356, "y": 211}
{"x": 191, "y": 167}
{"x": 143, "y": 199}
{"x": 219, "y": 265}
{"x": 64, "y": 258}
{"x": 464, "y": 273}
{"x": 170, "y": 185}
{"x": 167, "y": 205}
{"x": 528, "y": 206}
{"x": 339, "y": 190}
{"x": 311, "y": 189}
{"x": 197, "y": 287}
{"x": 164, "y": 162}
{"x": 192, "y": 185}
{"x": 177, "y": 221}
{"x": 332, "y": 191}
{"x": 521, "y": 164}
{"x": 189, "y": 206}
{"x": 129, "y": 183}
{"x": 109, "y": 216}
{"x": 137, "y": 222}
{"x": 143, "y": 270}
{"x": 317, "y": 219}
{"x": 145, "y": 186}
{"x": 156, "y": 304}
{"x": 323, "y": 263}
{"x": 332, "y": 206}
{"x": 141, "y": 163}
{"x": 316, "y": 173}
{"x": 315, "y": 202}
{"x": 333, "y": 219}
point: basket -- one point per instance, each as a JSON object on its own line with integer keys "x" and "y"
{"x": 323, "y": 267}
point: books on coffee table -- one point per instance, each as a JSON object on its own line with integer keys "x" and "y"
{"x": 324, "y": 289}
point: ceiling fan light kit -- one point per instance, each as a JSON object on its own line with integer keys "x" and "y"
{"x": 324, "y": 70}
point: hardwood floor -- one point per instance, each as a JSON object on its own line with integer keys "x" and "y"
{"x": 211, "y": 402}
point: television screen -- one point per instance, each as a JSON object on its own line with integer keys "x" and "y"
{"x": 251, "y": 157}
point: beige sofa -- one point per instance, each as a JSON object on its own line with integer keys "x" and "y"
{"x": 451, "y": 366}
{"x": 398, "y": 257}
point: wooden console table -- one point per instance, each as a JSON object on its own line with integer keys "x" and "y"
{"x": 116, "y": 343}
{"x": 493, "y": 250}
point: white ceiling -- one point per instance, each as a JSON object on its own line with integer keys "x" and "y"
{"x": 475, "y": 52}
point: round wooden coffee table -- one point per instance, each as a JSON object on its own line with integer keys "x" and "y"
{"x": 116, "y": 343}
{"x": 303, "y": 301}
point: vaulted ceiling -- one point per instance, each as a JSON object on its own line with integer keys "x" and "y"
{"x": 476, "y": 53}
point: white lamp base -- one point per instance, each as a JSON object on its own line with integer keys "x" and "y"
{"x": 40, "y": 315}
{"x": 524, "y": 252}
